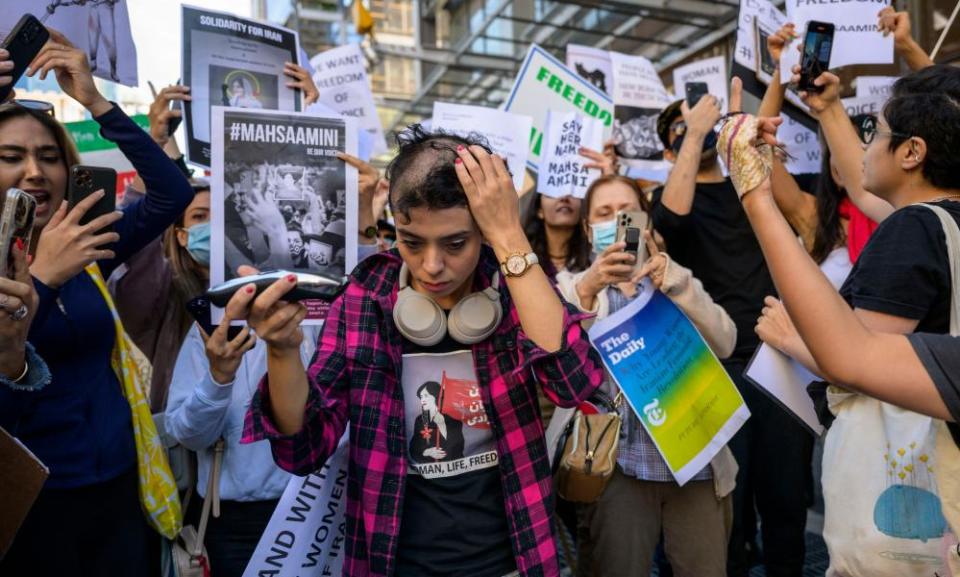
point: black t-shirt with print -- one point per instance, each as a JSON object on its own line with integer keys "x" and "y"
{"x": 454, "y": 519}
{"x": 904, "y": 270}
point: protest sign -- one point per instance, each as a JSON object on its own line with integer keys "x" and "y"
{"x": 768, "y": 15}
{"x": 591, "y": 64}
{"x": 713, "y": 71}
{"x": 881, "y": 86}
{"x": 856, "y": 38}
{"x": 672, "y": 380}
{"x": 508, "y": 134}
{"x": 864, "y": 105}
{"x": 564, "y": 173}
{"x": 282, "y": 199}
{"x": 232, "y": 61}
{"x": 101, "y": 28}
{"x": 306, "y": 534}
{"x": 638, "y": 97}
{"x": 543, "y": 84}
{"x": 802, "y": 145}
{"x": 342, "y": 80}
{"x": 95, "y": 150}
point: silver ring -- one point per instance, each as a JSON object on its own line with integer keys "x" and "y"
{"x": 20, "y": 313}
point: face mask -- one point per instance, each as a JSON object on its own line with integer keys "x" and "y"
{"x": 710, "y": 141}
{"x": 198, "y": 243}
{"x": 604, "y": 234}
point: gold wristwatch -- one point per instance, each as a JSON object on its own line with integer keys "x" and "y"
{"x": 518, "y": 263}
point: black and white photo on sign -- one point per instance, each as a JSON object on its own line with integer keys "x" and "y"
{"x": 635, "y": 133}
{"x": 281, "y": 198}
{"x": 638, "y": 98}
{"x": 232, "y": 61}
{"x": 591, "y": 64}
{"x": 101, "y": 28}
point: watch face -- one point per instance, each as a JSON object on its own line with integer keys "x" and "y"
{"x": 516, "y": 264}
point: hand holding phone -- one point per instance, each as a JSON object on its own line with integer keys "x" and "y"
{"x": 695, "y": 91}
{"x": 199, "y": 309}
{"x": 815, "y": 60}
{"x": 23, "y": 43}
{"x": 630, "y": 229}
{"x": 16, "y": 227}
{"x": 86, "y": 180}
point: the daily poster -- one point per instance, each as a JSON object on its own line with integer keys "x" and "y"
{"x": 544, "y": 83}
{"x": 713, "y": 71}
{"x": 101, "y": 28}
{"x": 639, "y": 97}
{"x": 342, "y": 80}
{"x": 856, "y": 39}
{"x": 306, "y": 535}
{"x": 565, "y": 172}
{"x": 506, "y": 133}
{"x": 671, "y": 379}
{"x": 591, "y": 64}
{"x": 232, "y": 61}
{"x": 283, "y": 200}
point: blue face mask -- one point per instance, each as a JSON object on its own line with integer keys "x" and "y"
{"x": 604, "y": 234}
{"x": 198, "y": 243}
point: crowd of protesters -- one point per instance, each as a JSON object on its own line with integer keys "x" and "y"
{"x": 854, "y": 279}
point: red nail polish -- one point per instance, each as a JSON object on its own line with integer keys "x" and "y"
{"x": 291, "y": 278}
{"x": 458, "y": 161}
{"x": 20, "y": 244}
{"x": 250, "y": 290}
{"x": 459, "y": 148}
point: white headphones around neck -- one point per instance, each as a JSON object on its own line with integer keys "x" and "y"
{"x": 421, "y": 320}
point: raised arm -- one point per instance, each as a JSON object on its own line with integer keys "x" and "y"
{"x": 898, "y": 24}
{"x": 700, "y": 120}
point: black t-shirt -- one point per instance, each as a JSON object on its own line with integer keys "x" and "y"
{"x": 454, "y": 517}
{"x": 716, "y": 243}
{"x": 940, "y": 355}
{"x": 904, "y": 270}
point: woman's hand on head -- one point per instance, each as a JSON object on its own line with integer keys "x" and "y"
{"x": 72, "y": 70}
{"x": 66, "y": 247}
{"x": 16, "y": 296}
{"x": 491, "y": 195}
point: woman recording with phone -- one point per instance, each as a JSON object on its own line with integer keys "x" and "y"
{"x": 694, "y": 519}
{"x": 88, "y": 519}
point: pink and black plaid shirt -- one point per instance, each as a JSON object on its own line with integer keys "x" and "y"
{"x": 355, "y": 378}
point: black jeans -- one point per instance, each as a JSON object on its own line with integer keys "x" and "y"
{"x": 774, "y": 454}
{"x": 232, "y": 538}
{"x": 88, "y": 531}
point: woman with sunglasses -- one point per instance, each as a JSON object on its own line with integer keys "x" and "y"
{"x": 88, "y": 518}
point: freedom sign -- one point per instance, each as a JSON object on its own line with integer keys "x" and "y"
{"x": 543, "y": 84}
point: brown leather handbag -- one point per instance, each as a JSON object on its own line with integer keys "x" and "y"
{"x": 589, "y": 456}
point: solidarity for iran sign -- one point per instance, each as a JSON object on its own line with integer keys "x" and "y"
{"x": 543, "y": 84}
{"x": 671, "y": 379}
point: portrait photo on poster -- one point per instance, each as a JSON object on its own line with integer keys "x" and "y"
{"x": 284, "y": 200}
{"x": 243, "y": 88}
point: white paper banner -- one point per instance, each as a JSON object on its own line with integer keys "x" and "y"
{"x": 866, "y": 105}
{"x": 803, "y": 146}
{"x": 745, "y": 53}
{"x": 507, "y": 133}
{"x": 856, "y": 39}
{"x": 342, "y": 80}
{"x": 638, "y": 96}
{"x": 99, "y": 28}
{"x": 592, "y": 64}
{"x": 713, "y": 71}
{"x": 562, "y": 170}
{"x": 307, "y": 532}
{"x": 544, "y": 83}
{"x": 877, "y": 86}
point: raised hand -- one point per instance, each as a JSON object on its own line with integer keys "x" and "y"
{"x": 223, "y": 354}
{"x": 656, "y": 265}
{"x": 493, "y": 200}
{"x": 72, "y": 70}
{"x": 65, "y": 246}
{"x": 274, "y": 320}
{"x": 303, "y": 81}
{"x": 161, "y": 113}
{"x": 18, "y": 305}
{"x": 779, "y": 40}
{"x": 612, "y": 266}
{"x": 606, "y": 162}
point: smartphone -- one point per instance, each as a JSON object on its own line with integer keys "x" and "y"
{"x": 630, "y": 227}
{"x": 84, "y": 181}
{"x": 695, "y": 91}
{"x": 764, "y": 62}
{"x": 199, "y": 309}
{"x": 817, "y": 46}
{"x": 16, "y": 223}
{"x": 23, "y": 43}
